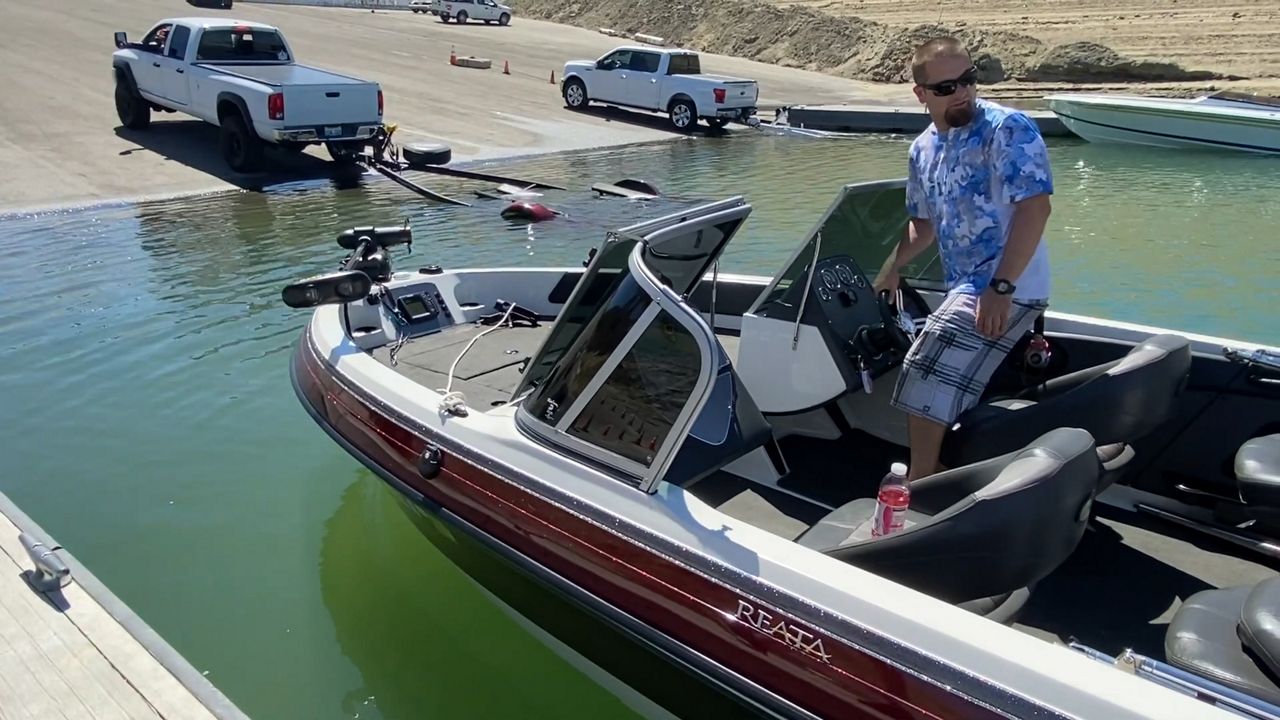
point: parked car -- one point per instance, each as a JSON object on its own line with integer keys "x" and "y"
{"x": 464, "y": 10}
{"x": 241, "y": 76}
{"x": 661, "y": 80}
{"x": 421, "y": 6}
{"x": 224, "y": 4}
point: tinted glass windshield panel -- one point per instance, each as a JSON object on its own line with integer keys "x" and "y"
{"x": 597, "y": 285}
{"x": 684, "y": 65}
{"x": 241, "y": 45}
{"x": 588, "y": 353}
{"x": 866, "y": 225}
{"x": 680, "y": 260}
{"x": 633, "y": 412}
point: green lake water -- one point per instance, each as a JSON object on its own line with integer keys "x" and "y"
{"x": 151, "y": 427}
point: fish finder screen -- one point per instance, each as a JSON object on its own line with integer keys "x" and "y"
{"x": 415, "y": 306}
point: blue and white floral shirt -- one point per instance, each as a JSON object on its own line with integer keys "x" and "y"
{"x": 966, "y": 181}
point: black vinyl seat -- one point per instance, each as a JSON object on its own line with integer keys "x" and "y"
{"x": 1257, "y": 468}
{"x": 981, "y": 535}
{"x": 1116, "y": 402}
{"x": 1230, "y": 636}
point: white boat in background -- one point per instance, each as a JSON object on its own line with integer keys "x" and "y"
{"x": 1226, "y": 120}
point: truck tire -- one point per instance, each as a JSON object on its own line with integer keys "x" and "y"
{"x": 241, "y": 148}
{"x": 575, "y": 94}
{"x": 133, "y": 111}
{"x": 504, "y": 19}
{"x": 683, "y": 114}
{"x": 462, "y": 17}
{"x": 718, "y": 123}
{"x": 444, "y": 17}
{"x": 423, "y": 154}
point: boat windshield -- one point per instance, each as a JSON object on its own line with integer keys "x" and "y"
{"x": 864, "y": 224}
{"x": 1249, "y": 98}
{"x": 629, "y": 362}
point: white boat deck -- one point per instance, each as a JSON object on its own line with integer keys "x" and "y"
{"x": 77, "y": 652}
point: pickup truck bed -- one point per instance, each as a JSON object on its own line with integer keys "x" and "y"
{"x": 280, "y": 75}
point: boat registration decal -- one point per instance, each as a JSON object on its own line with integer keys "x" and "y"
{"x": 782, "y": 631}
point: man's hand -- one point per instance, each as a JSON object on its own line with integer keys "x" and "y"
{"x": 993, "y": 313}
{"x": 888, "y": 280}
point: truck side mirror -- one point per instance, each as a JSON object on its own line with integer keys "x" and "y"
{"x": 122, "y": 40}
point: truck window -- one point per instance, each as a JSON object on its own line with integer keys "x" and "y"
{"x": 178, "y": 41}
{"x": 645, "y": 62}
{"x": 615, "y": 61}
{"x": 241, "y": 44}
{"x": 686, "y": 64}
{"x": 154, "y": 41}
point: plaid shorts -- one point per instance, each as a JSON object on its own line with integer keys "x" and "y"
{"x": 950, "y": 362}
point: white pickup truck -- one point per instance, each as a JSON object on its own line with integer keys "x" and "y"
{"x": 661, "y": 80}
{"x": 241, "y": 76}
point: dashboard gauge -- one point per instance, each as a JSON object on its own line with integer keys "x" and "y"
{"x": 829, "y": 279}
{"x": 846, "y": 275}
{"x": 860, "y": 281}
{"x": 823, "y": 294}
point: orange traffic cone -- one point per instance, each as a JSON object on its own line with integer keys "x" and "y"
{"x": 506, "y": 67}
{"x": 453, "y": 56}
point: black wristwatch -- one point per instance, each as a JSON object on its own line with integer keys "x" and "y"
{"x": 1002, "y": 286}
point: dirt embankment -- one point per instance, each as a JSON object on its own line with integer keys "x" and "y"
{"x": 849, "y": 46}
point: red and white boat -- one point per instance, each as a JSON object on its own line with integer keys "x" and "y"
{"x": 668, "y": 472}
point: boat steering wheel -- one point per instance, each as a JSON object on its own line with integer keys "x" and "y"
{"x": 898, "y": 327}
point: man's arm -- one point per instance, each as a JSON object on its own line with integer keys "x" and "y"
{"x": 1021, "y": 162}
{"x": 919, "y": 236}
{"x": 920, "y": 231}
{"x": 1025, "y": 230}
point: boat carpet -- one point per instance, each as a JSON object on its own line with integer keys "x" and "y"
{"x": 487, "y": 374}
{"x": 1117, "y": 591}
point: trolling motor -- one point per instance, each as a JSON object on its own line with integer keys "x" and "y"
{"x": 368, "y": 263}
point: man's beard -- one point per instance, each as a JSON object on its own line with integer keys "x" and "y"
{"x": 959, "y": 116}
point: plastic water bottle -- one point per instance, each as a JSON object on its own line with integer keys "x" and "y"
{"x": 891, "y": 502}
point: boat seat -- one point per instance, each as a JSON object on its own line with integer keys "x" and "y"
{"x": 1230, "y": 636}
{"x": 981, "y": 535}
{"x": 1116, "y": 402}
{"x": 1258, "y": 472}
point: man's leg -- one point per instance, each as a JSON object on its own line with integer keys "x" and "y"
{"x": 946, "y": 371}
{"x": 926, "y": 445}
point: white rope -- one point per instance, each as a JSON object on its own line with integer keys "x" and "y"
{"x": 454, "y": 402}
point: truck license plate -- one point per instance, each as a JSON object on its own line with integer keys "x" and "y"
{"x": 333, "y": 131}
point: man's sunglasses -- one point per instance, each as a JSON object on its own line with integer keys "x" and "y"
{"x": 948, "y": 87}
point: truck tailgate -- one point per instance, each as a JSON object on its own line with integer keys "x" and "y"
{"x": 327, "y": 104}
{"x": 312, "y": 96}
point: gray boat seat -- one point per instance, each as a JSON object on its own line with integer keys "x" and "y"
{"x": 982, "y": 535}
{"x": 1230, "y": 636}
{"x": 1116, "y": 402}
{"x": 1258, "y": 472}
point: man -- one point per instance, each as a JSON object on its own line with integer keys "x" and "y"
{"x": 978, "y": 183}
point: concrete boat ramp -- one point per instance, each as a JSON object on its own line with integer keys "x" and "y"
{"x": 888, "y": 119}
{"x": 69, "y": 649}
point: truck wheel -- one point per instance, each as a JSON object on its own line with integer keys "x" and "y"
{"x": 684, "y": 116}
{"x": 504, "y": 19}
{"x": 462, "y": 18}
{"x": 718, "y": 123}
{"x": 240, "y": 147}
{"x": 134, "y": 112}
{"x": 444, "y": 17}
{"x": 575, "y": 94}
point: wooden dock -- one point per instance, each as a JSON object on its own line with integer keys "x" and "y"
{"x": 891, "y": 119}
{"x": 69, "y": 649}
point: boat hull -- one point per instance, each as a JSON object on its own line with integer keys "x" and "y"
{"x": 627, "y": 604}
{"x": 1167, "y": 125}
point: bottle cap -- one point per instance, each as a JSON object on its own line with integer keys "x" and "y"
{"x": 898, "y": 469}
